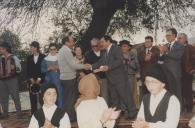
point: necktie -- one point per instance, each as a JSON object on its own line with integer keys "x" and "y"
{"x": 169, "y": 47}
{"x": 148, "y": 51}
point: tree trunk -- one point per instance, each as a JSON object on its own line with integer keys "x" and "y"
{"x": 103, "y": 11}
{"x": 98, "y": 26}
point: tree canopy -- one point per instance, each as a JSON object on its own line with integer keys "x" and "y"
{"x": 94, "y": 18}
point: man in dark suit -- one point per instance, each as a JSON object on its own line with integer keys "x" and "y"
{"x": 147, "y": 56}
{"x": 170, "y": 55}
{"x": 111, "y": 64}
{"x": 34, "y": 74}
{"x": 188, "y": 68}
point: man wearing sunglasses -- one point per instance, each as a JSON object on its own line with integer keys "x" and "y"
{"x": 92, "y": 57}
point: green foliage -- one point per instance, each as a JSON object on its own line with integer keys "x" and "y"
{"x": 11, "y": 38}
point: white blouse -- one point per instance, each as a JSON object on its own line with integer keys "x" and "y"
{"x": 89, "y": 113}
{"x": 64, "y": 122}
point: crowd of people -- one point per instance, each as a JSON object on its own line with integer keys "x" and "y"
{"x": 95, "y": 87}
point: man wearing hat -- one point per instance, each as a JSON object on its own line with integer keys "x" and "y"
{"x": 159, "y": 108}
{"x": 131, "y": 66}
{"x": 8, "y": 79}
{"x": 34, "y": 74}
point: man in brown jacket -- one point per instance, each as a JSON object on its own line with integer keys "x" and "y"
{"x": 147, "y": 56}
{"x": 188, "y": 68}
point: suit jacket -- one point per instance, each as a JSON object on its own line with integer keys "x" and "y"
{"x": 172, "y": 60}
{"x": 34, "y": 70}
{"x": 145, "y": 65}
{"x": 91, "y": 57}
{"x": 116, "y": 73}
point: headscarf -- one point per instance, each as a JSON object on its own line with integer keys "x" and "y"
{"x": 89, "y": 88}
{"x": 163, "y": 74}
{"x": 157, "y": 72}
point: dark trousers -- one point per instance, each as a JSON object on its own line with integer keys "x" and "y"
{"x": 178, "y": 89}
{"x": 35, "y": 101}
{"x": 187, "y": 97}
{"x": 35, "y": 97}
{"x": 70, "y": 97}
{"x": 9, "y": 87}
{"x": 104, "y": 89}
{"x": 122, "y": 93}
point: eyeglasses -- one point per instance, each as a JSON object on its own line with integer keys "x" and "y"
{"x": 168, "y": 35}
{"x": 52, "y": 49}
{"x": 93, "y": 46}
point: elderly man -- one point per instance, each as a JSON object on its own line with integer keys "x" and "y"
{"x": 92, "y": 57}
{"x": 187, "y": 69}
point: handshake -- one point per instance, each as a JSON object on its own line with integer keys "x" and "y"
{"x": 87, "y": 66}
{"x": 103, "y": 68}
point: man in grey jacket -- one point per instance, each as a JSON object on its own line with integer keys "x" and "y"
{"x": 170, "y": 55}
{"x": 68, "y": 68}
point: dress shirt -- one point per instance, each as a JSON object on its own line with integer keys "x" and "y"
{"x": 97, "y": 53}
{"x": 36, "y": 58}
{"x": 89, "y": 113}
{"x": 172, "y": 114}
{"x": 108, "y": 48}
{"x": 171, "y": 45}
{"x": 49, "y": 111}
{"x": 148, "y": 50}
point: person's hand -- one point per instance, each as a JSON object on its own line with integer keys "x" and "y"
{"x": 192, "y": 123}
{"x": 148, "y": 57}
{"x": 87, "y": 66}
{"x": 192, "y": 71}
{"x": 104, "y": 68}
{"x": 97, "y": 70}
{"x": 140, "y": 123}
{"x": 50, "y": 68}
{"x": 129, "y": 61}
{"x": 106, "y": 115}
{"x": 163, "y": 49}
{"x": 38, "y": 81}
{"x": 115, "y": 114}
{"x": 32, "y": 81}
{"x": 47, "y": 124}
{"x": 124, "y": 61}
